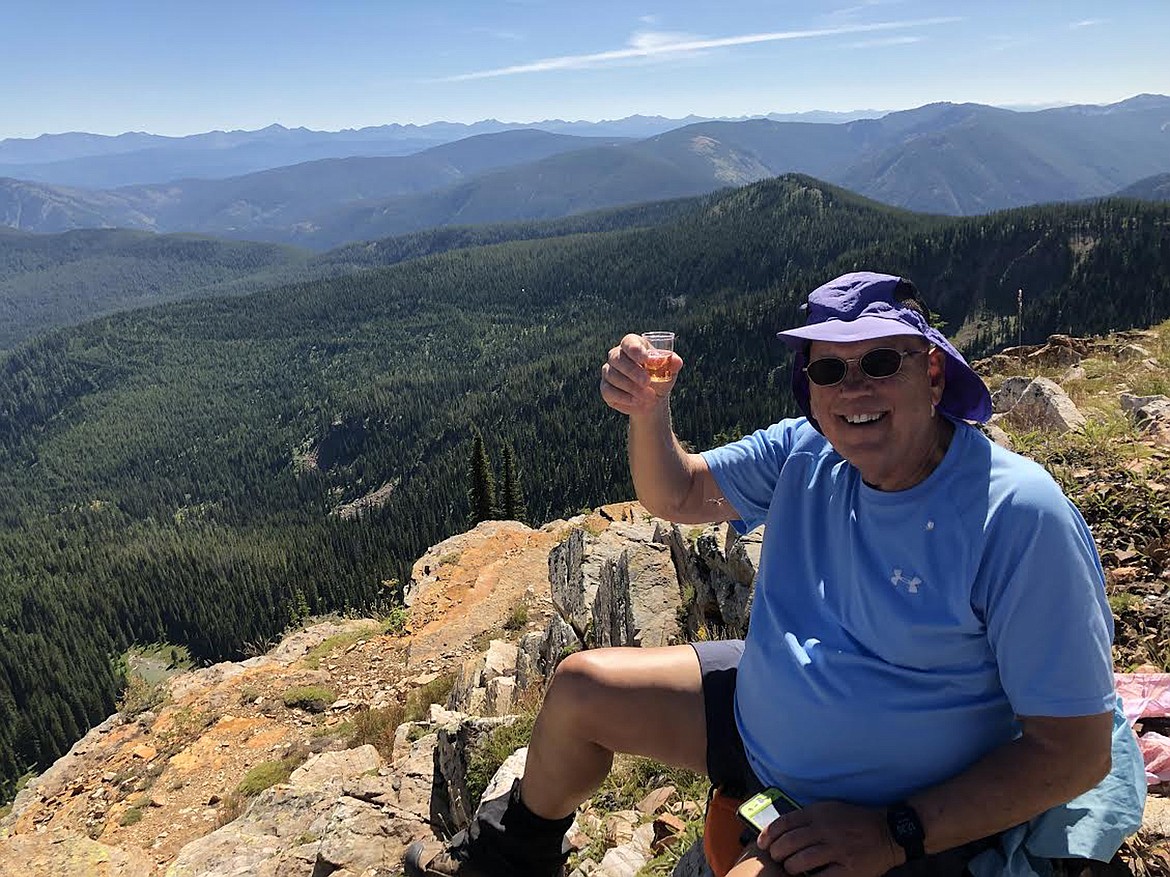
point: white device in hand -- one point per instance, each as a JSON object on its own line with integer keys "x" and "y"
{"x": 761, "y": 810}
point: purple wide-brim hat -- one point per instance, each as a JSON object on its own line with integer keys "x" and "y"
{"x": 863, "y": 306}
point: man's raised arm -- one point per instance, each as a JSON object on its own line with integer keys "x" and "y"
{"x": 671, "y": 483}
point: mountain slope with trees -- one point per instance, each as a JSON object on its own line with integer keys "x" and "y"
{"x": 1155, "y": 188}
{"x": 171, "y": 474}
{"x": 47, "y": 281}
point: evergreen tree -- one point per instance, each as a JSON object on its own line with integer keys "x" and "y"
{"x": 511, "y": 494}
{"x": 483, "y": 483}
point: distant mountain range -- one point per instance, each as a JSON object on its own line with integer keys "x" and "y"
{"x": 956, "y": 159}
{"x": 96, "y": 161}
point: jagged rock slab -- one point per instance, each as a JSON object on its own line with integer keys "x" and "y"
{"x": 618, "y": 587}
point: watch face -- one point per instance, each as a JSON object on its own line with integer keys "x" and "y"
{"x": 905, "y": 825}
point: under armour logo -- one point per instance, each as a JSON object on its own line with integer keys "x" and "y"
{"x": 911, "y": 583}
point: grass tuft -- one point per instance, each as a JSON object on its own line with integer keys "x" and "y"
{"x": 312, "y": 698}
{"x": 269, "y": 773}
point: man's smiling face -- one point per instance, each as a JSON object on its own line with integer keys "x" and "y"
{"x": 885, "y": 427}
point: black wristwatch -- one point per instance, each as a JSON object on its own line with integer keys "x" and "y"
{"x": 906, "y": 829}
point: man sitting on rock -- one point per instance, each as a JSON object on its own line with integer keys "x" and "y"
{"x": 928, "y": 666}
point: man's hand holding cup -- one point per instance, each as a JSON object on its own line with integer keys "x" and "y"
{"x": 640, "y": 372}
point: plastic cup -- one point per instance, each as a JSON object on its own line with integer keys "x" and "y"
{"x": 658, "y": 357}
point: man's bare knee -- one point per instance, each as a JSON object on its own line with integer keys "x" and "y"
{"x": 581, "y": 684}
{"x": 655, "y": 692}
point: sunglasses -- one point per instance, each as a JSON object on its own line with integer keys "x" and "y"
{"x": 883, "y": 362}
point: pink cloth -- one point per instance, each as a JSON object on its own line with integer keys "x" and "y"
{"x": 1155, "y": 749}
{"x": 1144, "y": 695}
{"x": 1147, "y": 696}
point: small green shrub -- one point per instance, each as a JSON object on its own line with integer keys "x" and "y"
{"x": 1123, "y": 601}
{"x": 313, "y": 698}
{"x": 131, "y": 817}
{"x": 376, "y": 727}
{"x": 395, "y": 621}
{"x": 491, "y": 751}
{"x": 140, "y": 696}
{"x": 341, "y": 729}
{"x": 518, "y": 618}
{"x": 418, "y": 702}
{"x": 331, "y": 644}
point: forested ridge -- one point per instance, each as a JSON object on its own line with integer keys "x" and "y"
{"x": 168, "y": 474}
{"x": 53, "y": 280}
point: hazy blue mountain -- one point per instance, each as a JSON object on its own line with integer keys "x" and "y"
{"x": 957, "y": 159}
{"x": 159, "y": 164}
{"x": 1155, "y": 188}
{"x": 557, "y": 186}
{"x": 279, "y": 198}
{"x": 98, "y": 161}
{"x": 43, "y": 208}
{"x": 967, "y": 158}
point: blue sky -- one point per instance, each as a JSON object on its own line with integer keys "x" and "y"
{"x": 172, "y": 67}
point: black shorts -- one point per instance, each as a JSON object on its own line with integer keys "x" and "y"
{"x": 727, "y": 763}
{"x": 729, "y": 770}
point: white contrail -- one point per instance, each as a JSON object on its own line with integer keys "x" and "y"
{"x": 648, "y": 49}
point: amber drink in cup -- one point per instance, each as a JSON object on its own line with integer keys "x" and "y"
{"x": 659, "y": 355}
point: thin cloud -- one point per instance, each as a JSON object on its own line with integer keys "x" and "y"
{"x": 651, "y": 40}
{"x": 1087, "y": 22}
{"x": 665, "y": 45}
{"x": 848, "y": 12}
{"x": 866, "y": 6}
{"x": 887, "y": 41}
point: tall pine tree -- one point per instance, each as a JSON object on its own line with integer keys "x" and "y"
{"x": 483, "y": 483}
{"x": 511, "y": 494}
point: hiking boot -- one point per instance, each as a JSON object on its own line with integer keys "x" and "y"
{"x": 432, "y": 858}
{"x": 436, "y": 859}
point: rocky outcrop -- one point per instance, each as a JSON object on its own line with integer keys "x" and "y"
{"x": 1043, "y": 404}
{"x": 339, "y": 813}
{"x": 1151, "y": 414}
{"x": 617, "y": 587}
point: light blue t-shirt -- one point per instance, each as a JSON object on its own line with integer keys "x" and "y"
{"x": 894, "y": 636}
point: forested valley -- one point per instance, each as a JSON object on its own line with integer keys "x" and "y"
{"x": 169, "y": 474}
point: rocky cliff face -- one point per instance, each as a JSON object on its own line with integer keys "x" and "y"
{"x": 332, "y": 752}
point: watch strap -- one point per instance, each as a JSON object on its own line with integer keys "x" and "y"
{"x": 906, "y": 829}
